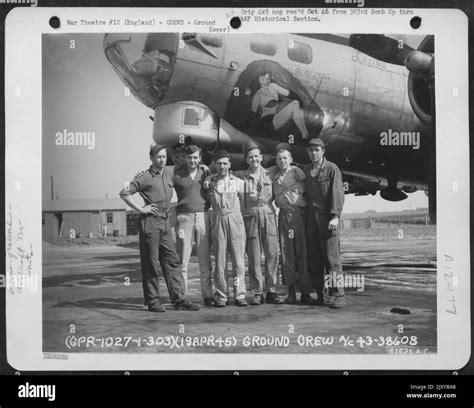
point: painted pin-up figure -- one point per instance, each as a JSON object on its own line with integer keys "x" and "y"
{"x": 266, "y": 103}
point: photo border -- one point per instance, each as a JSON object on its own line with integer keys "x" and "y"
{"x": 23, "y": 143}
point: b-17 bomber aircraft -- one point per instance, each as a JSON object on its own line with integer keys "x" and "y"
{"x": 369, "y": 97}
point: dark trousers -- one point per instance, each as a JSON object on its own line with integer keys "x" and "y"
{"x": 324, "y": 253}
{"x": 293, "y": 249}
{"x": 157, "y": 249}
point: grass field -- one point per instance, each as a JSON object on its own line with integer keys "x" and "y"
{"x": 382, "y": 232}
{"x": 377, "y": 232}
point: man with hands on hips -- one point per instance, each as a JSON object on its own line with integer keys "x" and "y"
{"x": 157, "y": 249}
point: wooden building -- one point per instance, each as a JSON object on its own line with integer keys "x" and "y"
{"x": 96, "y": 217}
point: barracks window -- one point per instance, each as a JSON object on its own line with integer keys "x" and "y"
{"x": 265, "y": 45}
{"x": 300, "y": 52}
{"x": 110, "y": 218}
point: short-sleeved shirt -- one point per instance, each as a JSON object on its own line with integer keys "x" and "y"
{"x": 289, "y": 189}
{"x": 155, "y": 186}
{"x": 324, "y": 188}
{"x": 192, "y": 197}
{"x": 225, "y": 194}
{"x": 258, "y": 189}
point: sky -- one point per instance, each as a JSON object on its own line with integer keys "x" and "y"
{"x": 82, "y": 93}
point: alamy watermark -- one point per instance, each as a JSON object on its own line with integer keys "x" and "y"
{"x": 68, "y": 138}
{"x": 32, "y": 3}
{"x": 392, "y": 138}
{"x": 37, "y": 391}
{"x": 339, "y": 280}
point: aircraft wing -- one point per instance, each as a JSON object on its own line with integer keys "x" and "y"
{"x": 391, "y": 48}
{"x": 364, "y": 184}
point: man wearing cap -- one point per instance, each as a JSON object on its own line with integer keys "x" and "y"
{"x": 260, "y": 226}
{"x": 178, "y": 154}
{"x": 288, "y": 191}
{"x": 228, "y": 231}
{"x": 326, "y": 198}
{"x": 156, "y": 245}
{"x": 192, "y": 220}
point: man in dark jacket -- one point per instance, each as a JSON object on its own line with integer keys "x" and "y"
{"x": 325, "y": 195}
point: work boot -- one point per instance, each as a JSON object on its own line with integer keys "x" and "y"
{"x": 186, "y": 305}
{"x": 156, "y": 307}
{"x": 241, "y": 302}
{"x": 320, "y": 301}
{"x": 291, "y": 298}
{"x": 257, "y": 300}
{"x": 221, "y": 303}
{"x": 274, "y": 298}
{"x": 307, "y": 300}
{"x": 209, "y": 301}
{"x": 338, "y": 303}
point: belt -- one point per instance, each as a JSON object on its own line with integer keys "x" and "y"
{"x": 226, "y": 211}
{"x": 253, "y": 209}
{"x": 161, "y": 214}
{"x": 296, "y": 210}
{"x": 318, "y": 210}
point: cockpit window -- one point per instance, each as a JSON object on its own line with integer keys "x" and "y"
{"x": 213, "y": 40}
{"x": 120, "y": 63}
{"x": 265, "y": 45}
{"x": 300, "y": 52}
{"x": 144, "y": 63}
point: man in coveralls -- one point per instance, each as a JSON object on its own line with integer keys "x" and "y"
{"x": 156, "y": 245}
{"x": 325, "y": 201}
{"x": 228, "y": 231}
{"x": 288, "y": 190}
{"x": 260, "y": 226}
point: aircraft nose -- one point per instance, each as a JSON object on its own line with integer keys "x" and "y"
{"x": 144, "y": 62}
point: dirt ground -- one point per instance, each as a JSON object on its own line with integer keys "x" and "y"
{"x": 95, "y": 286}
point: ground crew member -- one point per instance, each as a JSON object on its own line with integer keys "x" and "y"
{"x": 192, "y": 220}
{"x": 325, "y": 200}
{"x": 228, "y": 231}
{"x": 156, "y": 245}
{"x": 260, "y": 226}
{"x": 178, "y": 154}
{"x": 288, "y": 191}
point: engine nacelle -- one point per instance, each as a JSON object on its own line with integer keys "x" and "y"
{"x": 420, "y": 63}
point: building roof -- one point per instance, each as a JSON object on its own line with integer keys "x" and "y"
{"x": 93, "y": 204}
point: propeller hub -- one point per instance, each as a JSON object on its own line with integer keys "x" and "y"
{"x": 420, "y": 63}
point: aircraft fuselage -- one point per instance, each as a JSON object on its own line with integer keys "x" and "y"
{"x": 357, "y": 104}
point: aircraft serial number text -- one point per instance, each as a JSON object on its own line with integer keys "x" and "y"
{"x": 181, "y": 342}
